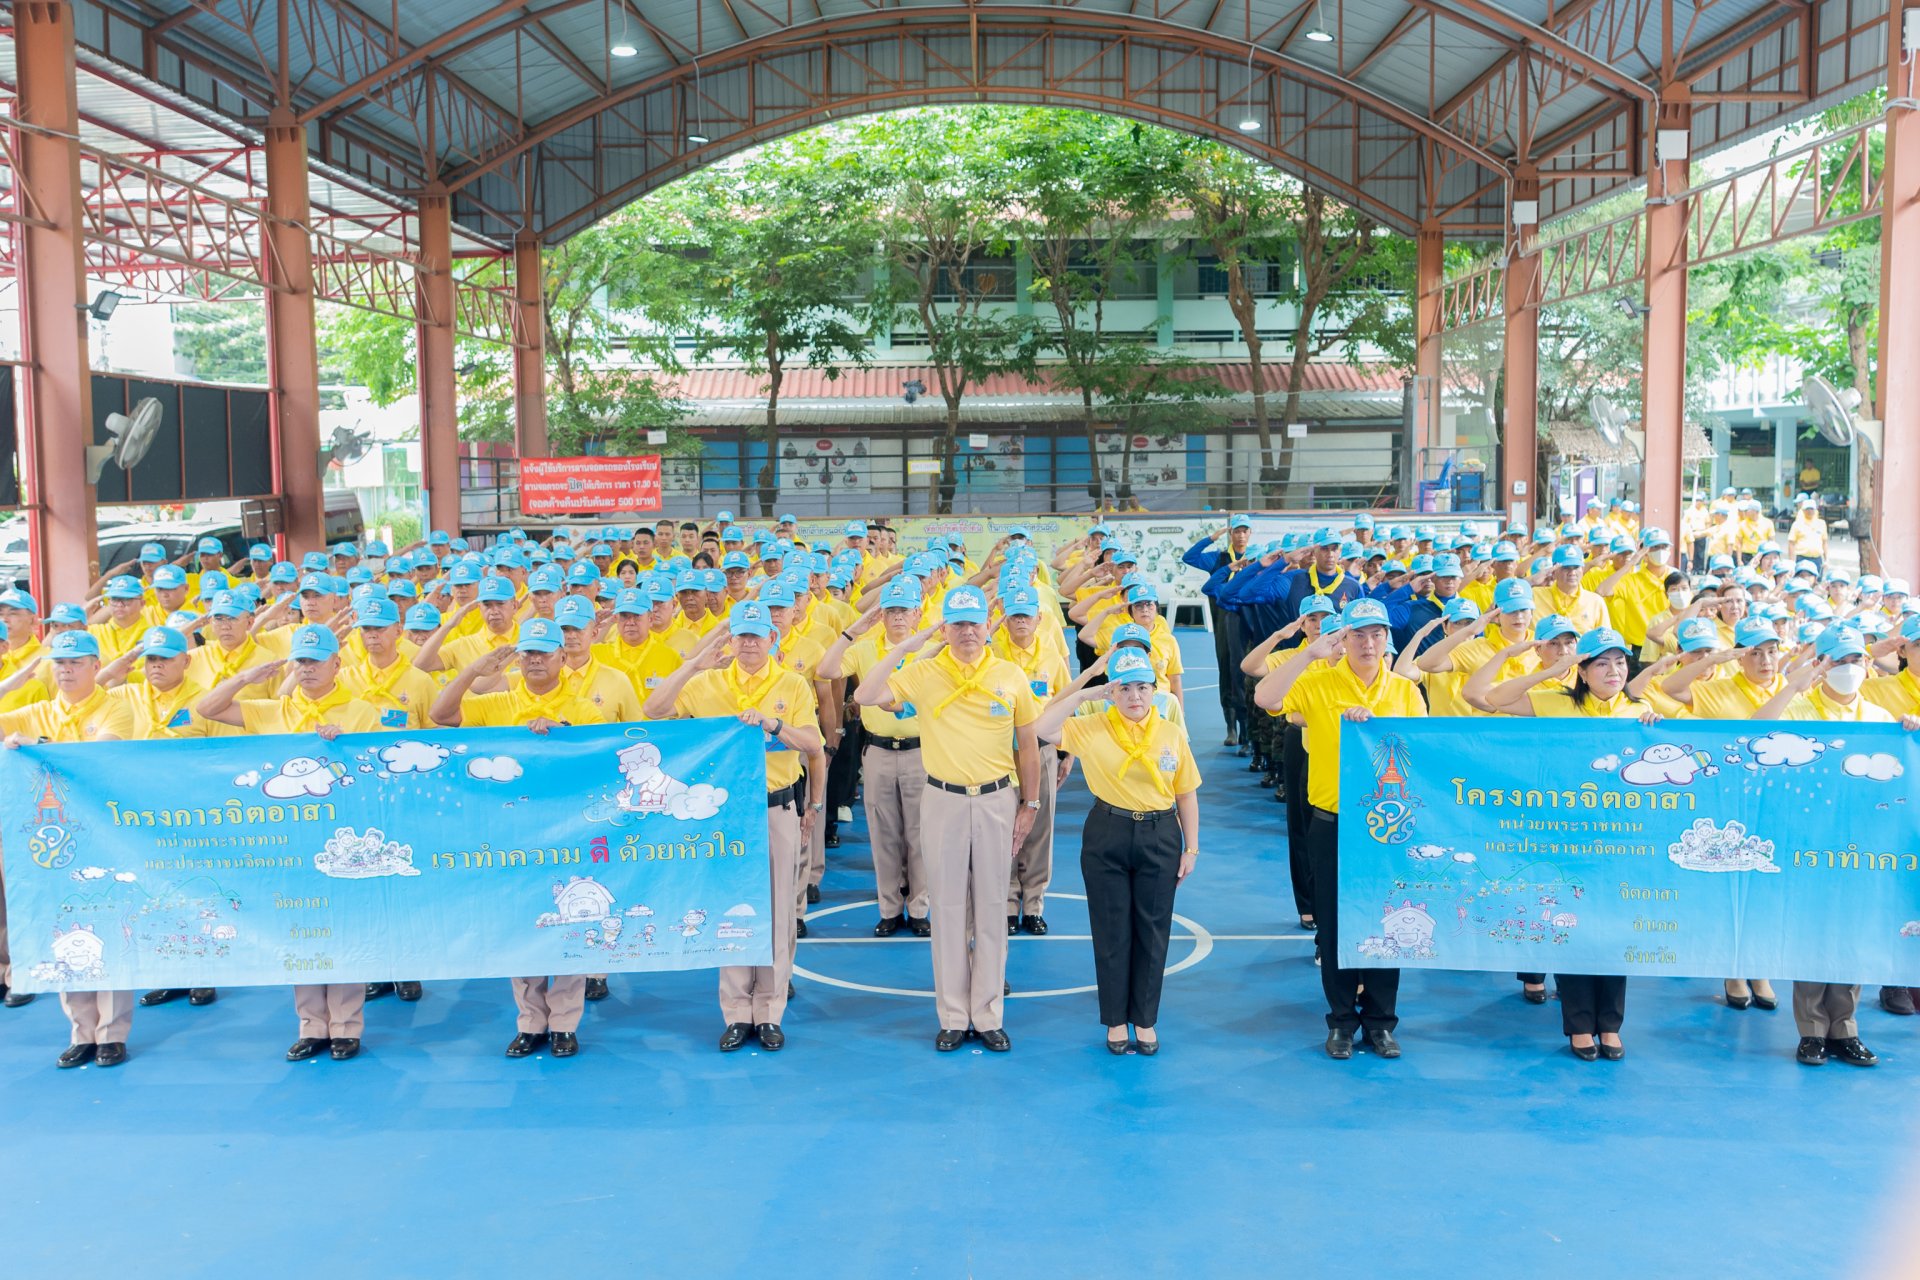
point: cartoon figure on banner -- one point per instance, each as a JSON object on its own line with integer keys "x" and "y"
{"x": 692, "y": 922}
{"x": 1405, "y": 930}
{"x": 77, "y": 954}
{"x": 306, "y": 776}
{"x": 51, "y": 835}
{"x": 650, "y": 789}
{"x": 1668, "y": 764}
{"x": 1390, "y": 809}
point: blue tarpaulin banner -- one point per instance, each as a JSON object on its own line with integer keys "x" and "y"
{"x": 1695, "y": 848}
{"x": 477, "y": 853}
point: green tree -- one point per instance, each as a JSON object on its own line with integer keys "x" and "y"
{"x": 221, "y": 342}
{"x": 785, "y": 237}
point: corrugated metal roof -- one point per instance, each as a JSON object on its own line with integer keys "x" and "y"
{"x": 884, "y": 381}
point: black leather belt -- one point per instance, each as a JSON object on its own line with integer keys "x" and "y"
{"x": 1135, "y": 815}
{"x": 893, "y": 744}
{"x": 1322, "y": 815}
{"x": 975, "y": 789}
{"x": 782, "y": 797}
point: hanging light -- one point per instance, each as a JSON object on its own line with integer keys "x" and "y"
{"x": 697, "y": 136}
{"x": 1249, "y": 122}
{"x": 1319, "y": 33}
{"x": 624, "y": 49}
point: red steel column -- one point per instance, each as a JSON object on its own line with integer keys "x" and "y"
{"x": 56, "y": 419}
{"x": 1663, "y": 384}
{"x": 1429, "y": 268}
{"x": 439, "y": 404}
{"x": 292, "y": 337}
{"x": 529, "y": 350}
{"x": 1896, "y": 513}
{"x": 1520, "y": 435}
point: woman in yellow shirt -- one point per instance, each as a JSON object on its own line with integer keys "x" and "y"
{"x": 1592, "y": 1006}
{"x": 1143, "y": 778}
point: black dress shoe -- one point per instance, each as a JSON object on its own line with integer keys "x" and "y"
{"x": 1269, "y": 781}
{"x": 1013, "y": 925}
{"x": 1533, "y": 996}
{"x": 527, "y": 1042}
{"x": 17, "y": 999}
{"x": 1340, "y": 1043}
{"x": 1766, "y": 1003}
{"x": 1739, "y": 1002}
{"x": 1383, "y": 1043}
{"x": 1587, "y": 1053}
{"x": 1812, "y": 1051}
{"x": 305, "y": 1047}
{"x": 565, "y": 1043}
{"x": 377, "y": 989}
{"x": 201, "y": 996}
{"x": 1146, "y": 1048}
{"x": 1006, "y": 988}
{"x": 1897, "y": 1000}
{"x": 1849, "y": 1051}
{"x": 772, "y": 1038}
{"x": 1118, "y": 1048}
{"x": 799, "y": 928}
{"x": 832, "y": 841}
{"x": 165, "y": 995}
{"x": 1035, "y": 925}
{"x": 78, "y": 1055}
{"x": 889, "y": 926}
{"x": 813, "y": 894}
{"x": 1311, "y": 926}
{"x": 919, "y": 926}
{"x": 1257, "y": 766}
{"x": 408, "y": 991}
{"x": 996, "y": 1040}
{"x": 596, "y": 988}
{"x": 734, "y": 1036}
{"x": 1612, "y": 1052}
{"x": 113, "y": 1053}
{"x": 948, "y": 1041}
{"x": 789, "y": 988}
{"x": 345, "y": 1047}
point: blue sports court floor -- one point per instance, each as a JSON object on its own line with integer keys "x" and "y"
{"x": 1487, "y": 1150}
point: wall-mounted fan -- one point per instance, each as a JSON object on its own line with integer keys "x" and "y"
{"x": 1836, "y": 414}
{"x": 132, "y": 436}
{"x": 347, "y": 446}
{"x": 1611, "y": 421}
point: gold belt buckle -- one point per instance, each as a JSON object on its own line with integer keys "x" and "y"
{"x": 973, "y": 788}
{"x": 1137, "y": 816}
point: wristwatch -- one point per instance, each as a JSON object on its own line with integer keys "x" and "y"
{"x": 1032, "y": 804}
{"x": 818, "y": 808}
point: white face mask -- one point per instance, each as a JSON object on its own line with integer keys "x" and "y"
{"x": 1679, "y": 599}
{"x": 1846, "y": 681}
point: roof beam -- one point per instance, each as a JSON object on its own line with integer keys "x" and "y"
{"x": 416, "y": 55}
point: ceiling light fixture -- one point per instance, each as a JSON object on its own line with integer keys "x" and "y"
{"x": 1249, "y": 123}
{"x": 1319, "y": 33}
{"x": 697, "y": 136}
{"x": 625, "y": 48}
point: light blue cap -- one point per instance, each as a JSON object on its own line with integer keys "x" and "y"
{"x": 213, "y": 583}
{"x": 170, "y": 577}
{"x": 1130, "y": 666}
{"x": 735, "y": 560}
{"x": 964, "y": 604}
{"x": 313, "y": 643}
{"x": 582, "y": 574}
{"x": 901, "y": 592}
{"x": 1553, "y": 626}
{"x": 1023, "y": 602}
{"x": 855, "y": 529}
{"x": 1142, "y": 594}
{"x": 1314, "y": 605}
{"x": 1447, "y": 565}
{"x": 546, "y": 578}
{"x": 73, "y": 644}
{"x": 776, "y": 594}
{"x": 68, "y": 615}
{"x": 1422, "y": 563}
{"x": 574, "y": 613}
{"x": 152, "y": 553}
{"x": 1515, "y": 595}
{"x": 463, "y": 575}
{"x": 403, "y": 589}
{"x": 285, "y": 571}
{"x": 163, "y": 642}
{"x": 14, "y": 598}
{"x": 375, "y": 611}
{"x": 209, "y": 547}
{"x": 538, "y": 635}
{"x": 1364, "y": 613}
{"x": 1505, "y": 551}
{"x": 750, "y": 618}
{"x": 632, "y": 600}
{"x": 1598, "y": 641}
{"x": 496, "y": 590}
{"x": 1567, "y": 556}
{"x": 1840, "y": 641}
{"x": 423, "y": 617}
{"x": 1697, "y": 634}
{"x": 1460, "y": 609}
{"x": 1131, "y": 633}
{"x": 228, "y": 604}
{"x": 1750, "y": 633}
{"x": 125, "y": 587}
{"x": 1239, "y": 522}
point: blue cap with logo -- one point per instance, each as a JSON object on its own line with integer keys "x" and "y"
{"x": 750, "y": 618}
{"x": 209, "y": 547}
{"x": 582, "y": 574}
{"x": 1460, "y": 609}
{"x": 776, "y": 594}
{"x": 284, "y": 572}
{"x": 546, "y": 578}
{"x": 73, "y": 644}
{"x": 1022, "y": 602}
{"x": 375, "y": 611}
{"x": 1567, "y": 556}
{"x": 213, "y": 583}
{"x": 1447, "y": 565}
{"x": 901, "y": 593}
{"x": 423, "y": 617}
{"x": 170, "y": 577}
{"x": 575, "y": 613}
{"x": 1130, "y": 666}
{"x": 1553, "y": 626}
{"x": 163, "y": 642}
{"x": 538, "y": 635}
{"x": 152, "y": 553}
{"x": 313, "y": 643}
{"x": 1751, "y": 633}
{"x": 632, "y": 600}
{"x": 125, "y": 587}
{"x": 964, "y": 604}
{"x": 1131, "y": 633}
{"x": 1514, "y": 595}
{"x": 496, "y": 590}
{"x": 735, "y": 560}
{"x": 14, "y": 598}
{"x": 67, "y": 615}
{"x": 1840, "y": 641}
{"x": 228, "y": 604}
{"x": 1598, "y": 641}
{"x": 1697, "y": 634}
{"x": 403, "y": 589}
{"x": 1315, "y": 605}
{"x": 1364, "y": 613}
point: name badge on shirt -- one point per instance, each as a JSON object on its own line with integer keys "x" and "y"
{"x": 774, "y": 744}
{"x": 1039, "y": 688}
{"x": 393, "y": 718}
{"x": 906, "y": 712}
{"x": 998, "y": 709}
{"x": 181, "y": 719}
{"x": 653, "y": 682}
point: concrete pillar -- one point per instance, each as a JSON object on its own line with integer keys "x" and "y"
{"x": 1163, "y": 300}
{"x": 1429, "y": 275}
{"x": 293, "y": 363}
{"x": 1520, "y": 436}
{"x": 530, "y": 350}
{"x": 1786, "y": 438}
{"x": 439, "y": 402}
{"x": 1897, "y": 479}
{"x": 1663, "y": 381}
{"x": 56, "y": 413}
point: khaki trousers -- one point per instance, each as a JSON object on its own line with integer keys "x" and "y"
{"x": 1033, "y": 861}
{"x": 894, "y": 782}
{"x": 814, "y": 870}
{"x": 99, "y": 1017}
{"x": 968, "y": 844}
{"x": 331, "y": 1010}
{"x": 758, "y": 993}
{"x": 1826, "y": 1009}
{"x": 549, "y": 1004}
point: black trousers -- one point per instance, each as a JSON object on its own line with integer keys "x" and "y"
{"x": 1131, "y": 870}
{"x": 843, "y": 772}
{"x": 1231, "y": 709}
{"x": 1263, "y": 730}
{"x": 1591, "y": 1005}
{"x": 1348, "y": 1007}
{"x": 1293, "y": 772}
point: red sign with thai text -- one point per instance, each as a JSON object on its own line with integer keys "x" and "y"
{"x": 590, "y": 486}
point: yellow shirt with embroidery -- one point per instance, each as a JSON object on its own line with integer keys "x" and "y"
{"x": 1045, "y": 669}
{"x": 518, "y": 705}
{"x": 1136, "y": 766}
{"x": 1559, "y": 702}
{"x": 1815, "y": 704}
{"x": 1321, "y": 697}
{"x": 400, "y": 692}
{"x": 1731, "y": 697}
{"x": 167, "y": 715}
{"x": 776, "y": 693}
{"x": 297, "y": 713}
{"x": 98, "y": 717}
{"x": 967, "y": 740}
{"x": 607, "y": 687}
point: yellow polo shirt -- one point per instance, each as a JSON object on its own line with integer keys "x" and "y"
{"x": 518, "y": 705}
{"x": 1896, "y": 695}
{"x": 1586, "y": 610}
{"x": 1140, "y": 766}
{"x": 97, "y": 717}
{"x": 465, "y": 651}
{"x": 211, "y": 665}
{"x": 165, "y": 715}
{"x": 400, "y": 692}
{"x": 1559, "y": 702}
{"x": 116, "y": 640}
{"x": 860, "y": 658}
{"x": 1731, "y": 697}
{"x": 607, "y": 687}
{"x": 646, "y": 664}
{"x": 967, "y": 740}
{"x": 1321, "y": 696}
{"x": 1045, "y": 669}
{"x": 297, "y": 713}
{"x": 776, "y": 693}
{"x": 1814, "y": 704}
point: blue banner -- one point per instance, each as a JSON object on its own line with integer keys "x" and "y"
{"x": 1696, "y": 848}
{"x": 478, "y": 853}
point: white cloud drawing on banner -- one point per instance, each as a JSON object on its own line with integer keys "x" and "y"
{"x": 409, "y": 756}
{"x": 494, "y": 768}
{"x": 1879, "y": 767}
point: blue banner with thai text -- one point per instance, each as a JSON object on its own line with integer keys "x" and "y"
{"x": 1689, "y": 848}
{"x": 477, "y": 853}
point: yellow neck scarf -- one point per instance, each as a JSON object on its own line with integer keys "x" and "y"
{"x": 966, "y": 680}
{"x": 1333, "y": 583}
{"x": 229, "y": 663}
{"x": 1137, "y": 740}
{"x": 70, "y": 718}
{"x": 381, "y": 680}
{"x": 748, "y": 690}
{"x": 304, "y": 713}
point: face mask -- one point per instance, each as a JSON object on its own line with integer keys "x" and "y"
{"x": 1679, "y": 599}
{"x": 1846, "y": 681}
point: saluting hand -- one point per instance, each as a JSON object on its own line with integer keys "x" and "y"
{"x": 265, "y": 671}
